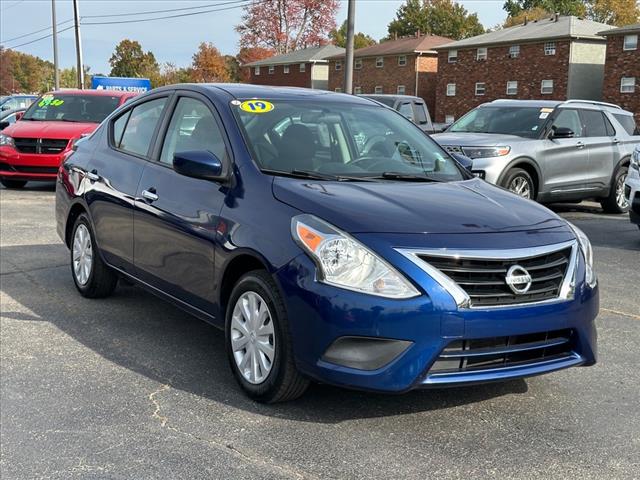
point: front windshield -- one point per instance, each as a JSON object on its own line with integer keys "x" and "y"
{"x": 72, "y": 108}
{"x": 521, "y": 121}
{"x": 341, "y": 139}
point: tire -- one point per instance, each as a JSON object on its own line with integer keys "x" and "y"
{"x": 616, "y": 202}
{"x": 98, "y": 280}
{"x": 13, "y": 184}
{"x": 277, "y": 379}
{"x": 519, "y": 181}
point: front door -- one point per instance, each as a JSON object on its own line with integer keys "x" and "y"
{"x": 176, "y": 217}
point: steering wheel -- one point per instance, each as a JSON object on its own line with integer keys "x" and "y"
{"x": 368, "y": 163}
{"x": 376, "y": 142}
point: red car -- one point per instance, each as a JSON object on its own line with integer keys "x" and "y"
{"x": 34, "y": 147}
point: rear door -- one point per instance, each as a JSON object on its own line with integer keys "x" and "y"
{"x": 116, "y": 169}
{"x": 602, "y": 146}
{"x": 566, "y": 160}
{"x": 176, "y": 217}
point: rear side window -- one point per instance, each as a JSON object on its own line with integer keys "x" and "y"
{"x": 628, "y": 123}
{"x": 140, "y": 127}
{"x": 118, "y": 128}
{"x": 593, "y": 122}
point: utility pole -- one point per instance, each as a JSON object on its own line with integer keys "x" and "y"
{"x": 56, "y": 71}
{"x": 348, "y": 68}
{"x": 76, "y": 21}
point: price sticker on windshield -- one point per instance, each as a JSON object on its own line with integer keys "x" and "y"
{"x": 50, "y": 100}
{"x": 256, "y": 106}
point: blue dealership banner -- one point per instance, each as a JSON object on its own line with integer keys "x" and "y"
{"x": 121, "y": 84}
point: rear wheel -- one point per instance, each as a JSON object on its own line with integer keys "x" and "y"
{"x": 520, "y": 182}
{"x": 93, "y": 278}
{"x": 258, "y": 342}
{"x": 616, "y": 202}
{"x": 13, "y": 184}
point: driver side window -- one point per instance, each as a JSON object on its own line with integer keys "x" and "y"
{"x": 569, "y": 119}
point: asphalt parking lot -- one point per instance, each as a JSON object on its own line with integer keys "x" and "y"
{"x": 130, "y": 387}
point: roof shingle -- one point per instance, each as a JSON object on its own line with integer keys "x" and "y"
{"x": 312, "y": 54}
{"x": 424, "y": 43}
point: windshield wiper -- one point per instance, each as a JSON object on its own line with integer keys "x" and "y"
{"x": 69, "y": 120}
{"x": 409, "y": 177}
{"x": 296, "y": 173}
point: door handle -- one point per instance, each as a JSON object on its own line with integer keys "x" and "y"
{"x": 93, "y": 175}
{"x": 580, "y": 145}
{"x": 150, "y": 195}
{"x": 616, "y": 141}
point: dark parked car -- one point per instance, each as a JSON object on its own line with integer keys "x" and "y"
{"x": 329, "y": 237}
{"x": 9, "y": 117}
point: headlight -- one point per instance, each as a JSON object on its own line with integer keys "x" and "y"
{"x": 486, "y": 152}
{"x": 587, "y": 253}
{"x": 344, "y": 262}
{"x": 635, "y": 159}
{"x": 6, "y": 141}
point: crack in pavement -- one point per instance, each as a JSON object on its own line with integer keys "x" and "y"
{"x": 618, "y": 312}
{"x": 19, "y": 270}
{"x": 287, "y": 470}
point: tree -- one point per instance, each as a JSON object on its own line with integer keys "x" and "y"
{"x": 7, "y": 80}
{"x": 248, "y": 55}
{"x": 614, "y": 12}
{"x": 563, "y": 7}
{"x": 209, "y": 65}
{"x": 69, "y": 78}
{"x": 435, "y": 17}
{"x": 536, "y": 13}
{"x": 287, "y": 25}
{"x": 129, "y": 60}
{"x": 360, "y": 40}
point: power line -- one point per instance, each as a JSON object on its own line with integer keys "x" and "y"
{"x": 41, "y": 38}
{"x": 33, "y": 33}
{"x": 217, "y": 4}
{"x": 249, "y": 2}
{"x": 12, "y": 5}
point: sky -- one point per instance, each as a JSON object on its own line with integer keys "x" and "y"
{"x": 171, "y": 40}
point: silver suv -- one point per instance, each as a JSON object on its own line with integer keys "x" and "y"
{"x": 549, "y": 150}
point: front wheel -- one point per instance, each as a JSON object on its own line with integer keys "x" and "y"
{"x": 258, "y": 342}
{"x": 616, "y": 202}
{"x": 13, "y": 184}
{"x": 519, "y": 182}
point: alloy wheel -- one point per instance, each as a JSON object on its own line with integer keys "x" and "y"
{"x": 620, "y": 198}
{"x": 520, "y": 186}
{"x": 252, "y": 337}
{"x": 82, "y": 255}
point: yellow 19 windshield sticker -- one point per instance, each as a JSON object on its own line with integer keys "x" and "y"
{"x": 256, "y": 106}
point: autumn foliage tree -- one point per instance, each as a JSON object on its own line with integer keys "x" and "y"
{"x": 129, "y": 60}
{"x": 209, "y": 65}
{"x": 613, "y": 12}
{"x": 339, "y": 38}
{"x": 287, "y": 25}
{"x": 248, "y": 55}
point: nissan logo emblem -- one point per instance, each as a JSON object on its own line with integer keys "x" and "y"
{"x": 518, "y": 279}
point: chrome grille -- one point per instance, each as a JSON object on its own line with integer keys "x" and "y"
{"x": 40, "y": 145}
{"x": 503, "y": 352}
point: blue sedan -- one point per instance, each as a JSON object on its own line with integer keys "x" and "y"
{"x": 329, "y": 238}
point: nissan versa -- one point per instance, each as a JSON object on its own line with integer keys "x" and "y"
{"x": 329, "y": 237}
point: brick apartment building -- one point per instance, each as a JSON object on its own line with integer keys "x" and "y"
{"x": 308, "y": 68}
{"x": 404, "y": 66}
{"x": 622, "y": 68}
{"x": 552, "y": 59}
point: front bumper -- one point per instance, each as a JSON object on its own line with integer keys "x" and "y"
{"x": 632, "y": 192}
{"x": 320, "y": 314}
{"x": 29, "y": 166}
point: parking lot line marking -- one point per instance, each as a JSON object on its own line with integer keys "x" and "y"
{"x": 618, "y": 312}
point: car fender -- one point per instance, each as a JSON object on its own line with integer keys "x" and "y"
{"x": 518, "y": 161}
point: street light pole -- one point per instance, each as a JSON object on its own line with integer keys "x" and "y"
{"x": 56, "y": 71}
{"x": 76, "y": 20}
{"x": 348, "y": 68}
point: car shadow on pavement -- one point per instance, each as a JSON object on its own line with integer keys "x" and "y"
{"x": 150, "y": 337}
{"x": 34, "y": 187}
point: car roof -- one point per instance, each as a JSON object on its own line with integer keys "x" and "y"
{"x": 97, "y": 93}
{"x": 522, "y": 103}
{"x": 391, "y": 95}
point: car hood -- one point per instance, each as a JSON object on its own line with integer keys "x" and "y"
{"x": 40, "y": 129}
{"x": 470, "y": 206}
{"x": 477, "y": 139}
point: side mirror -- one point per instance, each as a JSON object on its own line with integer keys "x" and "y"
{"x": 4, "y": 125}
{"x": 5, "y": 107}
{"x": 19, "y": 115}
{"x": 561, "y": 132}
{"x": 199, "y": 164}
{"x": 463, "y": 160}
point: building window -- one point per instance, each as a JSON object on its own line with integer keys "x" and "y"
{"x": 451, "y": 89}
{"x": 401, "y": 90}
{"x": 379, "y": 62}
{"x": 481, "y": 87}
{"x": 630, "y": 42}
{"x": 378, "y": 89}
{"x": 357, "y": 90}
{"x": 550, "y": 48}
{"x": 402, "y": 60}
{"x": 357, "y": 64}
{"x": 481, "y": 54}
{"x": 256, "y": 71}
{"x": 303, "y": 67}
{"x": 285, "y": 69}
{"x": 271, "y": 69}
{"x": 453, "y": 56}
{"x": 512, "y": 88}
{"x": 338, "y": 90}
{"x": 546, "y": 87}
{"x": 514, "y": 51}
{"x": 627, "y": 84}
{"x": 339, "y": 65}
{"x": 449, "y": 119}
